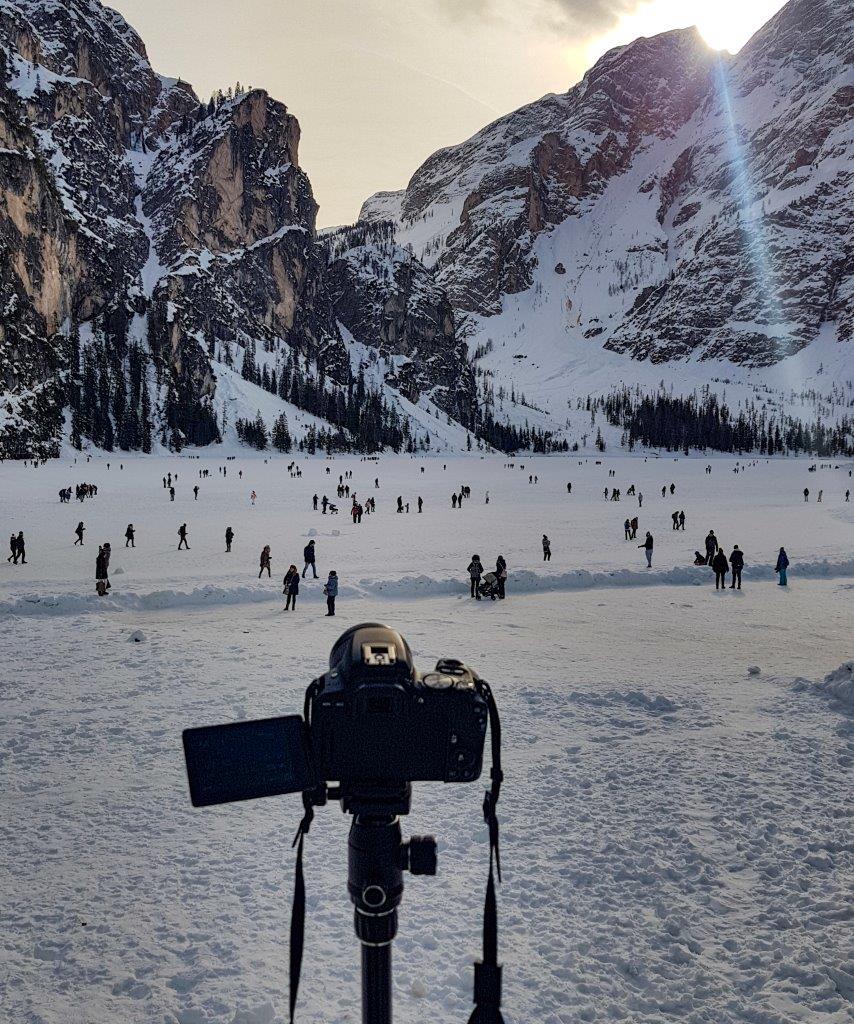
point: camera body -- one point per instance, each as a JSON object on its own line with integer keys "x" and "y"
{"x": 375, "y": 719}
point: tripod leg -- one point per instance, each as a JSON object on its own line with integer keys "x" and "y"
{"x": 376, "y": 984}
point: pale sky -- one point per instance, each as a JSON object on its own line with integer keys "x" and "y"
{"x": 379, "y": 85}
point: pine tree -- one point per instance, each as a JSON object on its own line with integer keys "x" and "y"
{"x": 281, "y": 435}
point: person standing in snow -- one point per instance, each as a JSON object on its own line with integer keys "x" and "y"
{"x": 291, "y": 588}
{"x": 640, "y": 500}
{"x": 265, "y": 561}
{"x": 675, "y": 517}
{"x": 330, "y": 588}
{"x": 420, "y": 503}
{"x": 130, "y": 536}
{"x": 13, "y": 549}
{"x": 682, "y": 520}
{"x": 848, "y": 495}
{"x": 501, "y": 574}
{"x": 547, "y": 549}
{"x": 399, "y": 503}
{"x": 736, "y": 561}
{"x": 475, "y": 571}
{"x": 782, "y": 567}
{"x": 647, "y": 546}
{"x": 196, "y": 492}
{"x": 171, "y": 493}
{"x": 806, "y": 494}
{"x": 711, "y": 546}
{"x": 627, "y": 529}
{"x": 309, "y": 556}
{"x": 314, "y": 501}
{"x": 21, "y": 548}
{"x": 79, "y": 534}
{"x": 102, "y": 581}
{"x": 820, "y": 496}
{"x": 229, "y": 537}
{"x": 721, "y": 568}
{"x": 569, "y": 488}
{"x": 182, "y": 537}
{"x": 253, "y": 497}
{"x": 634, "y": 524}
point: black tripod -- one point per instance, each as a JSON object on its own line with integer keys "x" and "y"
{"x": 377, "y": 858}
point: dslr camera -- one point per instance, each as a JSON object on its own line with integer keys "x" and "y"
{"x": 371, "y": 721}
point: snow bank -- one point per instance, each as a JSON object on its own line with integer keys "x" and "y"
{"x": 520, "y": 582}
{"x": 837, "y": 685}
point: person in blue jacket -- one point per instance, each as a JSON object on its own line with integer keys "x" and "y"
{"x": 331, "y": 590}
{"x": 781, "y": 567}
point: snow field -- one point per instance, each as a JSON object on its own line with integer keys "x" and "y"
{"x": 676, "y": 833}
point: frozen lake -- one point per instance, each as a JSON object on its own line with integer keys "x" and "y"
{"x": 676, "y": 832}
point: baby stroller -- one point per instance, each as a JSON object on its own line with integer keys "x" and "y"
{"x": 333, "y": 509}
{"x": 489, "y": 586}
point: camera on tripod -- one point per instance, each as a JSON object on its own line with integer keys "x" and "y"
{"x": 371, "y": 726}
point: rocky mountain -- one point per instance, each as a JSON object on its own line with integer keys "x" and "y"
{"x": 678, "y": 206}
{"x": 388, "y": 300}
{"x": 150, "y": 240}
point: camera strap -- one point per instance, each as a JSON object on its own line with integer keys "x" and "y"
{"x": 298, "y": 907}
{"x": 487, "y": 971}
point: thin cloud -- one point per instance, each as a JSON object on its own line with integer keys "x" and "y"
{"x": 561, "y": 16}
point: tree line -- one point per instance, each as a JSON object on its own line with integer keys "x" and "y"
{"x": 683, "y": 423}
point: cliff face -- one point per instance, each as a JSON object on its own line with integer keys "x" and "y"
{"x": 389, "y": 300}
{"x": 697, "y": 204}
{"x": 125, "y": 201}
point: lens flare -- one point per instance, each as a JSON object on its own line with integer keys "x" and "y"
{"x": 750, "y": 216}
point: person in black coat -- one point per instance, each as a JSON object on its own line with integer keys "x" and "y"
{"x": 21, "y": 548}
{"x": 79, "y": 534}
{"x": 736, "y": 561}
{"x": 721, "y": 568}
{"x": 711, "y": 546}
{"x": 229, "y": 537}
{"x": 308, "y": 554}
{"x": 130, "y": 535}
{"x": 102, "y": 571}
{"x": 13, "y": 549}
{"x": 291, "y": 588}
{"x": 501, "y": 574}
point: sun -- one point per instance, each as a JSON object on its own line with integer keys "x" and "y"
{"x": 723, "y": 24}
{"x": 728, "y": 24}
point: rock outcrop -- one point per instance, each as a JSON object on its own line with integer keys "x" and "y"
{"x": 387, "y": 299}
{"x": 133, "y": 214}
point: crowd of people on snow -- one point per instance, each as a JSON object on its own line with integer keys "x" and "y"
{"x": 81, "y": 493}
{"x": 483, "y": 584}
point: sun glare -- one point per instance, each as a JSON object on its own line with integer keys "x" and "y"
{"x": 723, "y": 24}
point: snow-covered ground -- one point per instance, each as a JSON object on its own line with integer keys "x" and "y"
{"x": 676, "y": 831}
